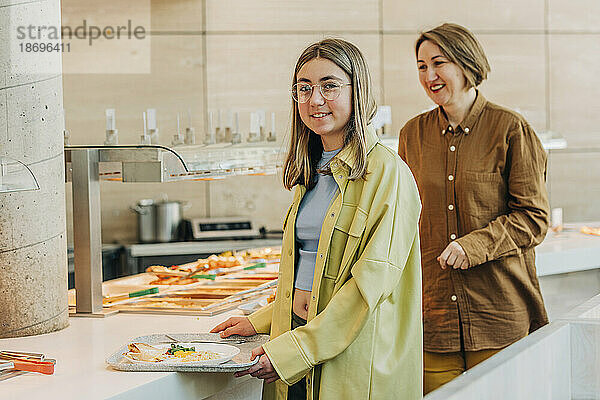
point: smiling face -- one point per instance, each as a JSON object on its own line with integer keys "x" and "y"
{"x": 326, "y": 118}
{"x": 443, "y": 80}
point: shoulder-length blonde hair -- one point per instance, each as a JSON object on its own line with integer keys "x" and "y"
{"x": 305, "y": 149}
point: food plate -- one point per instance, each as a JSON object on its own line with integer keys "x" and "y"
{"x": 240, "y": 362}
{"x": 210, "y": 354}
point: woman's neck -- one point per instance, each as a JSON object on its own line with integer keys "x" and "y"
{"x": 458, "y": 110}
{"x": 332, "y": 142}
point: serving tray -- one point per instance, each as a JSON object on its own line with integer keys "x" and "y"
{"x": 238, "y": 363}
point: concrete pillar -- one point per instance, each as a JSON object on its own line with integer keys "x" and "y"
{"x": 33, "y": 259}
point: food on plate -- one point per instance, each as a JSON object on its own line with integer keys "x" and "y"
{"x": 144, "y": 352}
{"x": 176, "y": 353}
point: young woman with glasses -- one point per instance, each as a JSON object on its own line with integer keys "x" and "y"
{"x": 346, "y": 321}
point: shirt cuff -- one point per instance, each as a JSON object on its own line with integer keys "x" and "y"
{"x": 474, "y": 249}
{"x": 261, "y": 319}
{"x": 287, "y": 358}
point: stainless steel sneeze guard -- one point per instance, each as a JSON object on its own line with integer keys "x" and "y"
{"x": 155, "y": 163}
{"x": 87, "y": 165}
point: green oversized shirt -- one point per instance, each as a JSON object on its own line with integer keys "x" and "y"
{"x": 363, "y": 338}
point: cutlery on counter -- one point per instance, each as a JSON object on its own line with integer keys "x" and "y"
{"x": 45, "y": 367}
{"x": 10, "y": 374}
{"x": 24, "y": 362}
{"x": 218, "y": 341}
{"x": 4, "y": 365}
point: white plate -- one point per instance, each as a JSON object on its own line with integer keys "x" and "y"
{"x": 226, "y": 351}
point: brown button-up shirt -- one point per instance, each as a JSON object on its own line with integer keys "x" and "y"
{"x": 482, "y": 184}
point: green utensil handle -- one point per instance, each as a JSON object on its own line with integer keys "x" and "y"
{"x": 144, "y": 292}
{"x": 211, "y": 277}
{"x": 259, "y": 265}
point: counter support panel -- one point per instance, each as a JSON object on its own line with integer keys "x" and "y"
{"x": 87, "y": 232}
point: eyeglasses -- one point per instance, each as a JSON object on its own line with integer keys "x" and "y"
{"x": 302, "y": 92}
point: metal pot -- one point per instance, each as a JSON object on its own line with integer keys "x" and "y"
{"x": 146, "y": 220}
{"x": 159, "y": 221}
{"x": 168, "y": 218}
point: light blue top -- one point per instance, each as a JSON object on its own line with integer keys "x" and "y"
{"x": 311, "y": 214}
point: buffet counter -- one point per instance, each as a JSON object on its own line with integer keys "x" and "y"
{"x": 568, "y": 251}
{"x": 559, "y": 361}
{"x": 568, "y": 267}
{"x": 562, "y": 359}
{"x": 81, "y": 371}
{"x": 82, "y": 348}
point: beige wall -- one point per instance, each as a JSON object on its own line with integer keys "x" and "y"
{"x": 239, "y": 54}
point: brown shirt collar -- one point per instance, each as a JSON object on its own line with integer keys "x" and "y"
{"x": 466, "y": 126}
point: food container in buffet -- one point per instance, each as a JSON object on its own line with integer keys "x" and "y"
{"x": 205, "y": 287}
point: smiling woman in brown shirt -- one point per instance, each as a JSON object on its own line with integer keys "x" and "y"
{"x": 481, "y": 170}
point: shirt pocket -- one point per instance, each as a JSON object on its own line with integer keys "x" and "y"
{"x": 346, "y": 237}
{"x": 482, "y": 197}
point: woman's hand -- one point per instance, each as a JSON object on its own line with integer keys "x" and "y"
{"x": 453, "y": 256}
{"x": 235, "y": 326}
{"x": 263, "y": 369}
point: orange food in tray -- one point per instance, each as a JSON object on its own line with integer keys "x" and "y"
{"x": 213, "y": 265}
{"x": 590, "y": 231}
{"x": 172, "y": 280}
{"x": 203, "y": 264}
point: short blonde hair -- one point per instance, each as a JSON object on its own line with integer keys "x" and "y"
{"x": 306, "y": 148}
{"x": 460, "y": 46}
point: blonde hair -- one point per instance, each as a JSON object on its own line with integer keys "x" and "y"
{"x": 460, "y": 46}
{"x": 300, "y": 166}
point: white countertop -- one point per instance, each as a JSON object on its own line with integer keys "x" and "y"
{"x": 82, "y": 373}
{"x": 568, "y": 251}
